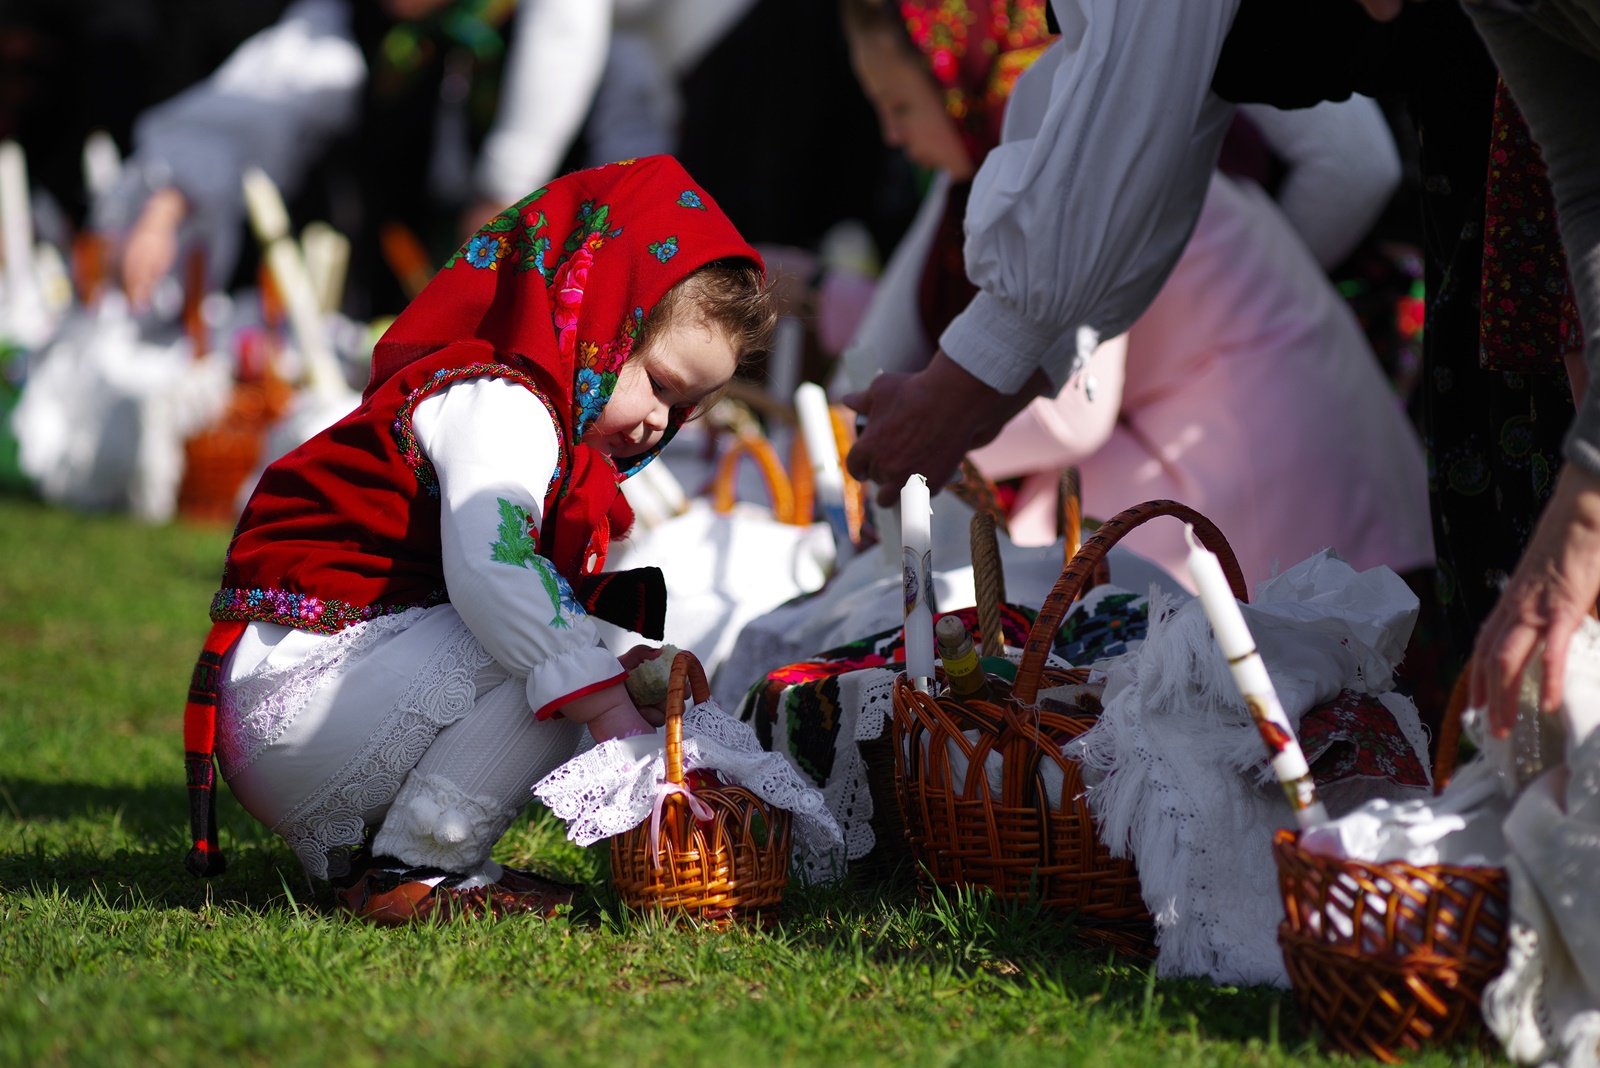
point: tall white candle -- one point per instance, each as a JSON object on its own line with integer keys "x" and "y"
{"x": 16, "y": 223}
{"x": 916, "y": 534}
{"x": 270, "y": 220}
{"x": 1255, "y": 685}
{"x": 816, "y": 424}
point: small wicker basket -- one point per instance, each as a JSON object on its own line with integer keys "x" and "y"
{"x": 1391, "y": 957}
{"x": 1034, "y": 837}
{"x": 734, "y": 863}
{"x": 218, "y": 458}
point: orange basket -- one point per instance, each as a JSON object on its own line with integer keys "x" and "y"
{"x": 218, "y": 459}
{"x": 780, "y": 487}
{"x": 734, "y": 862}
{"x": 1033, "y": 837}
{"x": 1389, "y": 957}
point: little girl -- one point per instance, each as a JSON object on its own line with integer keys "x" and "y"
{"x": 402, "y": 644}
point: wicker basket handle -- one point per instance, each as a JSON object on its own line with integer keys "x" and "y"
{"x": 855, "y": 494}
{"x": 989, "y": 582}
{"x": 686, "y": 670}
{"x": 1071, "y": 583}
{"x": 802, "y": 484}
{"x": 779, "y": 489}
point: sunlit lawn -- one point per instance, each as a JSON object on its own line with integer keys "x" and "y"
{"x": 111, "y": 954}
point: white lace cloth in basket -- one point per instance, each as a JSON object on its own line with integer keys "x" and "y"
{"x": 1173, "y": 768}
{"x": 613, "y": 787}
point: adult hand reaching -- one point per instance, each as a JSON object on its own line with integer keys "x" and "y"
{"x": 924, "y": 423}
{"x": 151, "y": 247}
{"x": 1554, "y": 586}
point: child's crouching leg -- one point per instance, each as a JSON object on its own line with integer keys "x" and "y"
{"x": 465, "y": 791}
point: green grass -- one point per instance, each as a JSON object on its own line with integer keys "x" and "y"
{"x": 111, "y": 954}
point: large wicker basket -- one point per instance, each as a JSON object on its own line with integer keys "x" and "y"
{"x": 1391, "y": 957}
{"x": 734, "y": 863}
{"x": 1034, "y": 837}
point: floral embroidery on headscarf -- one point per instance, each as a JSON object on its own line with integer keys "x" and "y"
{"x": 515, "y": 235}
{"x": 598, "y": 366}
{"x": 975, "y": 51}
{"x": 484, "y": 250}
{"x": 565, "y": 319}
{"x": 664, "y": 249}
{"x": 690, "y": 199}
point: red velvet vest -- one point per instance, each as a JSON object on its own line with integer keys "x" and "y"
{"x": 346, "y": 527}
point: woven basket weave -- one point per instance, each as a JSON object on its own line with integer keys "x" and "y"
{"x": 218, "y": 459}
{"x": 735, "y": 863}
{"x": 1391, "y": 957}
{"x": 1035, "y": 837}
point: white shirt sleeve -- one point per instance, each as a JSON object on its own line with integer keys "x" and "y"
{"x": 1342, "y": 168}
{"x": 1077, "y": 218}
{"x": 553, "y": 65}
{"x": 494, "y": 448}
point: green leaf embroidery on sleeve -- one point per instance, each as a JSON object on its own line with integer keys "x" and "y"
{"x": 517, "y": 546}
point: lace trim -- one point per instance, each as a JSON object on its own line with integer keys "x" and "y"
{"x": 867, "y": 695}
{"x": 255, "y": 711}
{"x": 612, "y": 787}
{"x": 434, "y": 823}
{"x": 326, "y": 826}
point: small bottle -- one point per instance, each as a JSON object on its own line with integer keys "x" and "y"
{"x": 962, "y": 671}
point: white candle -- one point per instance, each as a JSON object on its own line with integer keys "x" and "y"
{"x": 1255, "y": 685}
{"x": 916, "y": 522}
{"x": 16, "y": 223}
{"x": 270, "y": 220}
{"x": 816, "y": 423}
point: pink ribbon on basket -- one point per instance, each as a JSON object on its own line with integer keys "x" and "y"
{"x": 698, "y": 808}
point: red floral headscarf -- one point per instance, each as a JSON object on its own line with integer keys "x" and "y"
{"x": 565, "y": 277}
{"x": 975, "y": 51}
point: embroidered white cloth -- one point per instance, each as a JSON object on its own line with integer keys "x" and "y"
{"x": 1545, "y": 1006}
{"x": 613, "y": 787}
{"x": 864, "y": 596}
{"x": 1174, "y": 768}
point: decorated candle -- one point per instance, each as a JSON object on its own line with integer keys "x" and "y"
{"x": 816, "y": 423}
{"x": 916, "y": 554}
{"x": 1255, "y": 685}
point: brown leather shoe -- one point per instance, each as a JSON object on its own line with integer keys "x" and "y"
{"x": 393, "y": 899}
{"x": 519, "y": 881}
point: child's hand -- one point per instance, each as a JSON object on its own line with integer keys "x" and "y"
{"x": 638, "y": 655}
{"x": 608, "y": 713}
{"x": 648, "y": 687}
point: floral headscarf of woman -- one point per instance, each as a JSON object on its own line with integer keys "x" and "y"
{"x": 975, "y": 51}
{"x": 565, "y": 280}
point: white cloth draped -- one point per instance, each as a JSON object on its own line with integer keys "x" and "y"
{"x": 1174, "y": 766}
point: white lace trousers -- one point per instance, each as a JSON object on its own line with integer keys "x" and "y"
{"x": 404, "y": 724}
